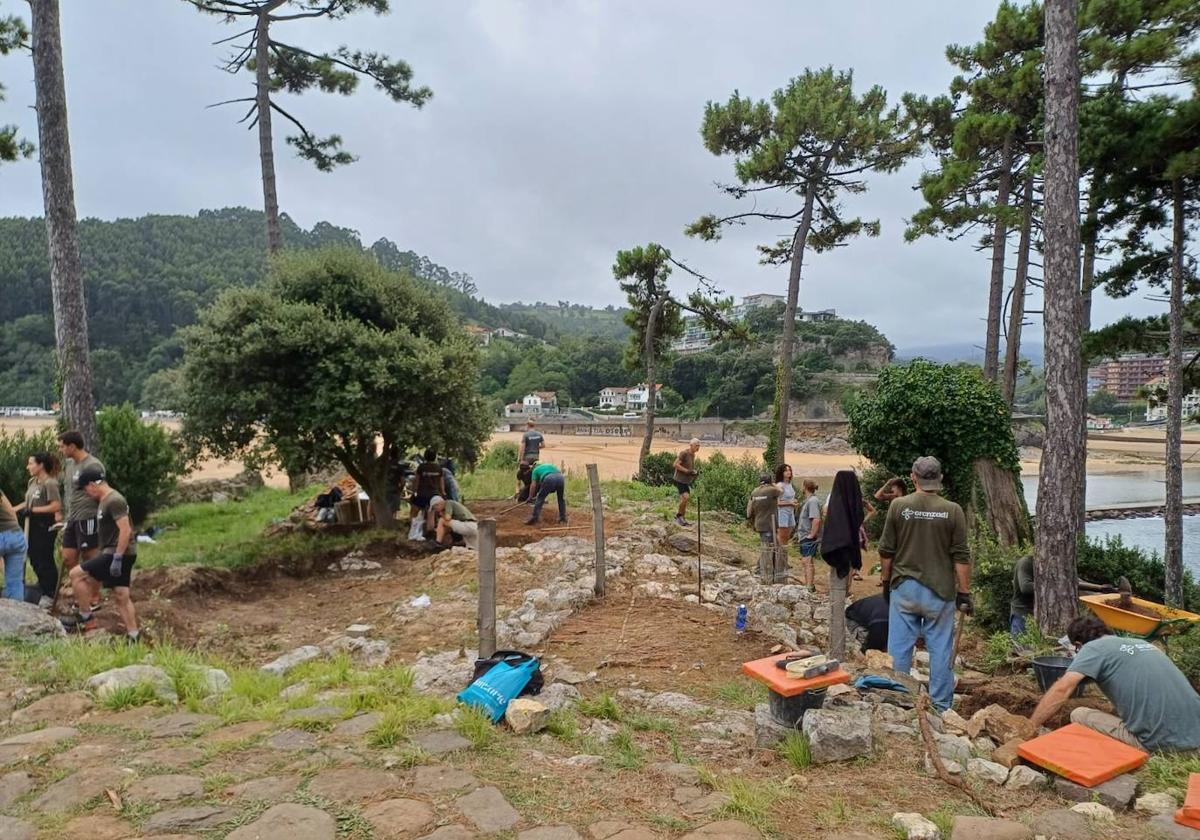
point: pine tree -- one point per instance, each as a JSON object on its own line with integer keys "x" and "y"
{"x": 815, "y": 140}
{"x": 13, "y": 35}
{"x": 282, "y": 67}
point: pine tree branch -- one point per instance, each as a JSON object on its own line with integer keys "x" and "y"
{"x": 249, "y": 31}
{"x": 295, "y": 122}
{"x": 231, "y": 101}
{"x": 384, "y": 83}
{"x": 229, "y": 8}
{"x": 322, "y": 12}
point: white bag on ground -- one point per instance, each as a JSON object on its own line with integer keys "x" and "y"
{"x": 416, "y": 531}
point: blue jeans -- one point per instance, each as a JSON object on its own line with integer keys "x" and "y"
{"x": 916, "y": 612}
{"x": 1016, "y": 624}
{"x": 12, "y": 548}
{"x": 552, "y": 483}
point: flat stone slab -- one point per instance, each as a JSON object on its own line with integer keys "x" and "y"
{"x": 315, "y": 713}
{"x": 683, "y": 772}
{"x": 725, "y": 830}
{"x": 289, "y": 822}
{"x": 236, "y": 732}
{"x": 13, "y": 786}
{"x": 81, "y": 755}
{"x": 450, "y": 832}
{"x": 33, "y": 744}
{"x": 293, "y": 740}
{"x": 437, "y": 778}
{"x": 98, "y": 827}
{"x": 78, "y": 789}
{"x": 172, "y": 758}
{"x": 488, "y": 810}
{"x": 550, "y": 832}
{"x": 55, "y": 708}
{"x": 358, "y": 725}
{"x": 164, "y": 789}
{"x": 399, "y": 819}
{"x": 1168, "y": 829}
{"x": 195, "y": 818}
{"x": 985, "y": 828}
{"x": 1061, "y": 824}
{"x": 441, "y": 741}
{"x": 706, "y": 804}
{"x": 353, "y": 784}
{"x": 1116, "y": 793}
{"x": 178, "y": 725}
{"x": 270, "y": 789}
{"x": 14, "y": 829}
{"x": 291, "y": 659}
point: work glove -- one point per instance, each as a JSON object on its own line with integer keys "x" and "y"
{"x": 117, "y": 565}
{"x": 886, "y": 583}
{"x": 962, "y": 603}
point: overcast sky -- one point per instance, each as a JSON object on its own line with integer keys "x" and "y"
{"x": 559, "y": 132}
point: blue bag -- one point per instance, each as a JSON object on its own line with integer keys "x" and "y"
{"x": 492, "y": 691}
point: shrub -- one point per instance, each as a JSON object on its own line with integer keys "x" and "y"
{"x": 1184, "y": 650}
{"x": 143, "y": 460}
{"x": 500, "y": 456}
{"x": 15, "y": 450}
{"x": 658, "y": 469}
{"x": 1105, "y": 561}
{"x": 871, "y": 480}
{"x": 991, "y": 580}
{"x": 726, "y": 485}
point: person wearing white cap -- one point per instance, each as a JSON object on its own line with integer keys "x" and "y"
{"x": 685, "y": 474}
{"x": 454, "y": 518}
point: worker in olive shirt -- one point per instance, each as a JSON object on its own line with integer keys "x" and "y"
{"x": 79, "y": 532}
{"x": 546, "y": 480}
{"x": 685, "y": 474}
{"x": 926, "y": 575}
{"x": 1157, "y": 708}
{"x": 113, "y": 566}
{"x": 453, "y": 517}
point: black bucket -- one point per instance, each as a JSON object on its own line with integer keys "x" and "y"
{"x": 790, "y": 710}
{"x": 1047, "y": 670}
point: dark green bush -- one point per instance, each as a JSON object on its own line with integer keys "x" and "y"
{"x": 871, "y": 480}
{"x": 991, "y": 580}
{"x": 500, "y": 456}
{"x": 658, "y": 469}
{"x": 1105, "y": 561}
{"x": 725, "y": 485}
{"x": 143, "y": 460}
{"x": 15, "y": 450}
{"x": 1184, "y": 650}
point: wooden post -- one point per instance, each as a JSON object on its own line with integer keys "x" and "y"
{"x": 598, "y": 528}
{"x": 487, "y": 588}
{"x": 699, "y": 562}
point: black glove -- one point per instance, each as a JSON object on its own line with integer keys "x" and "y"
{"x": 962, "y": 603}
{"x": 118, "y": 562}
{"x": 886, "y": 583}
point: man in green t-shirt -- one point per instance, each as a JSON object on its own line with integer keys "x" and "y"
{"x": 79, "y": 530}
{"x": 926, "y": 575}
{"x": 546, "y": 479}
{"x": 454, "y": 518}
{"x": 113, "y": 566}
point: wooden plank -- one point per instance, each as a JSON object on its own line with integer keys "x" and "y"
{"x": 487, "y": 588}
{"x": 593, "y": 475}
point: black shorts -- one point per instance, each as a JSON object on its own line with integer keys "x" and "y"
{"x": 98, "y": 568}
{"x": 683, "y": 489}
{"x": 80, "y": 535}
{"x": 421, "y": 502}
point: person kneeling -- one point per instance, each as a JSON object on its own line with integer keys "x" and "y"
{"x": 454, "y": 518}
{"x": 1157, "y": 708}
{"x": 113, "y": 565}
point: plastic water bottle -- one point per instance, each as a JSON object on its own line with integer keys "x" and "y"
{"x": 739, "y": 623}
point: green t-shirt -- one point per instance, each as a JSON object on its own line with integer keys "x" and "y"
{"x": 763, "y": 507}
{"x": 687, "y": 459}
{"x": 1152, "y": 697}
{"x": 459, "y": 511}
{"x": 8, "y": 516}
{"x": 542, "y": 470}
{"x": 111, "y": 509}
{"x": 926, "y": 536}
{"x": 80, "y": 505}
{"x": 40, "y": 493}
{"x": 1022, "y": 599}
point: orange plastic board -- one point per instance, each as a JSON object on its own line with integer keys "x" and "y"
{"x": 1082, "y": 755}
{"x": 779, "y": 681}
{"x": 1191, "y": 802}
{"x": 1184, "y": 819}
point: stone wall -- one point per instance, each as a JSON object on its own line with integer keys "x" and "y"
{"x": 218, "y": 489}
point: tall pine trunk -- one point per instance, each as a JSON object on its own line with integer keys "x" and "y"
{"x": 1016, "y": 315}
{"x": 266, "y": 141}
{"x": 62, "y": 232}
{"x": 991, "y": 349}
{"x": 1173, "y": 514}
{"x": 651, "y": 375}
{"x": 1087, "y": 283}
{"x": 1058, "y": 504}
{"x": 783, "y": 395}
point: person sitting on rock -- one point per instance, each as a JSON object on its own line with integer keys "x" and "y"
{"x": 1157, "y": 708}
{"x": 454, "y": 518}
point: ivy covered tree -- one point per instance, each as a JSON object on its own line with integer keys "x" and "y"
{"x": 333, "y": 360}
{"x": 13, "y": 34}
{"x": 814, "y": 141}
{"x": 281, "y": 67}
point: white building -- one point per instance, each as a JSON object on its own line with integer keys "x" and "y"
{"x": 514, "y": 410}
{"x": 1099, "y": 424}
{"x": 639, "y": 395}
{"x": 613, "y": 397}
{"x": 1156, "y": 412}
{"x": 505, "y": 332}
{"x": 540, "y": 402}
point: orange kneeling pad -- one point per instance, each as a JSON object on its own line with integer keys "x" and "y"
{"x": 783, "y": 683}
{"x": 1191, "y": 802}
{"x": 1183, "y": 819}
{"x": 1082, "y": 755}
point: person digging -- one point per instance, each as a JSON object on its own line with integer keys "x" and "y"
{"x": 546, "y": 480}
{"x": 112, "y": 567}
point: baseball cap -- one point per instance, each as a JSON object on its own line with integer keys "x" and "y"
{"x": 765, "y": 478}
{"x": 927, "y": 471}
{"x": 88, "y": 475}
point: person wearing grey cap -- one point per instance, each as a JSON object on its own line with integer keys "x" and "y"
{"x": 453, "y": 517}
{"x": 926, "y": 576}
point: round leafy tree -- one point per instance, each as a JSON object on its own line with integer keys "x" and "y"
{"x": 948, "y": 411}
{"x": 333, "y": 359}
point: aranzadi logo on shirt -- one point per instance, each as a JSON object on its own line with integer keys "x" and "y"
{"x": 910, "y": 513}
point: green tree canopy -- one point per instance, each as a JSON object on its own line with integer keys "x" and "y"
{"x": 13, "y": 34}
{"x": 333, "y": 359}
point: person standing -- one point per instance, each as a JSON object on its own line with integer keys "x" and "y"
{"x": 79, "y": 534}
{"x": 12, "y": 549}
{"x": 762, "y": 509}
{"x": 42, "y": 508}
{"x": 685, "y": 474}
{"x": 546, "y": 480}
{"x": 926, "y": 574}
{"x": 430, "y": 482}
{"x": 531, "y": 443}
{"x": 841, "y": 548}
{"x": 113, "y": 566}
{"x": 808, "y": 530}
{"x": 787, "y": 508}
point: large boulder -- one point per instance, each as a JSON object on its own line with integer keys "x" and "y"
{"x": 837, "y": 735}
{"x": 106, "y": 683}
{"x": 526, "y": 716}
{"x": 19, "y": 620}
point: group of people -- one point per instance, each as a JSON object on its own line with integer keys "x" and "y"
{"x": 435, "y": 505}
{"x": 99, "y": 542}
{"x": 536, "y": 481}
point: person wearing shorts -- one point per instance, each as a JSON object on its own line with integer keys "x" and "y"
{"x": 112, "y": 567}
{"x": 79, "y": 531}
{"x": 431, "y": 482}
{"x": 808, "y": 530}
{"x": 685, "y": 474}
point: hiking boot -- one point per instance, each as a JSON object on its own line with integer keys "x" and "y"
{"x": 531, "y": 522}
{"x": 562, "y": 521}
{"x": 45, "y": 602}
{"x": 681, "y": 522}
{"x": 77, "y": 623}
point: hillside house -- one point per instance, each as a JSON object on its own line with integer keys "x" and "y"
{"x": 540, "y": 402}
{"x": 638, "y": 396}
{"x": 514, "y": 410}
{"x": 505, "y": 332}
{"x": 613, "y": 397}
{"x": 480, "y": 335}
{"x": 1099, "y": 424}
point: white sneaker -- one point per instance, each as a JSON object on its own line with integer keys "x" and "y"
{"x": 45, "y": 602}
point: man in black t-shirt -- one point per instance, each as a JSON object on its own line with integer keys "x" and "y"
{"x": 430, "y": 483}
